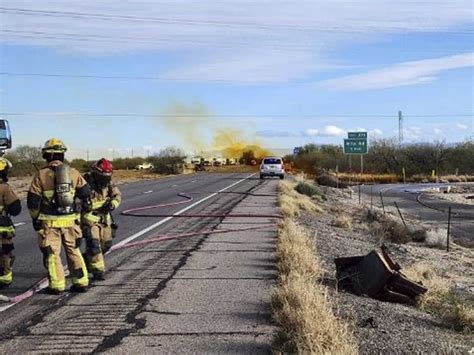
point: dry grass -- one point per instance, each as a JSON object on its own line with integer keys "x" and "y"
{"x": 291, "y": 202}
{"x": 436, "y": 238}
{"x": 301, "y": 306}
{"x": 295, "y": 252}
{"x": 387, "y": 226}
{"x": 342, "y": 221}
{"x": 369, "y": 178}
{"x": 440, "y": 298}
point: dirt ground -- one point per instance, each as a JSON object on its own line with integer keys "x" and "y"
{"x": 457, "y": 194}
{"x": 383, "y": 327}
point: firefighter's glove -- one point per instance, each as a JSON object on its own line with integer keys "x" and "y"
{"x": 37, "y": 224}
{"x": 109, "y": 206}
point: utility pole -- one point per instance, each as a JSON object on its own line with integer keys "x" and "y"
{"x": 400, "y": 127}
{"x": 87, "y": 154}
{"x": 132, "y": 152}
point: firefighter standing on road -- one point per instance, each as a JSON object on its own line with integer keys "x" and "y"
{"x": 52, "y": 204}
{"x": 97, "y": 225}
{"x": 9, "y": 206}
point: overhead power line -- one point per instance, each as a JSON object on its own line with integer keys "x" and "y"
{"x": 195, "y": 22}
{"x": 254, "y": 43}
{"x": 128, "y": 114}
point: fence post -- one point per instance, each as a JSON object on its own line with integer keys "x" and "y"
{"x": 449, "y": 229}
{"x": 359, "y": 193}
{"x": 371, "y": 197}
{"x": 400, "y": 214}
{"x": 381, "y": 199}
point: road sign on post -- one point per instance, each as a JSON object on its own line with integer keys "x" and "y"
{"x": 356, "y": 146}
{"x": 357, "y": 135}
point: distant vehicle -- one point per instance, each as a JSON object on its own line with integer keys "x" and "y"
{"x": 217, "y": 162}
{"x": 196, "y": 160}
{"x": 231, "y": 161}
{"x": 272, "y": 166}
{"x": 208, "y": 161}
{"x": 144, "y": 166}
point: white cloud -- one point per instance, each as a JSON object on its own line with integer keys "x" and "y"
{"x": 401, "y": 74}
{"x": 437, "y": 131}
{"x": 375, "y": 133}
{"x": 311, "y": 132}
{"x": 462, "y": 126}
{"x": 333, "y": 131}
{"x": 413, "y": 133}
{"x": 240, "y": 41}
{"x": 328, "y": 131}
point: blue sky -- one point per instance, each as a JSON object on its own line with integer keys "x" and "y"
{"x": 279, "y": 73}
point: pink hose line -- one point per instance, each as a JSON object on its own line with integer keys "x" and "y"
{"x": 43, "y": 283}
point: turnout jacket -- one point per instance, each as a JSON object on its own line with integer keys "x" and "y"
{"x": 101, "y": 197}
{"x": 41, "y": 196}
{"x": 10, "y": 205}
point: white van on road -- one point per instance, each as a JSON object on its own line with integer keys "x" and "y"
{"x": 272, "y": 166}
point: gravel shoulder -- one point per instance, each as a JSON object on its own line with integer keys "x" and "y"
{"x": 383, "y": 327}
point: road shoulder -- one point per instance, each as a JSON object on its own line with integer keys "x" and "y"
{"x": 219, "y": 301}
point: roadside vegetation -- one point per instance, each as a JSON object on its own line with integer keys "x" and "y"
{"x": 441, "y": 299}
{"x": 386, "y": 160}
{"x": 301, "y": 306}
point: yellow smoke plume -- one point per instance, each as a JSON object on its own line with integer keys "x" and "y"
{"x": 196, "y": 129}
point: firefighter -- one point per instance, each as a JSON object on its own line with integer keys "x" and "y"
{"x": 52, "y": 201}
{"x": 9, "y": 206}
{"x": 97, "y": 225}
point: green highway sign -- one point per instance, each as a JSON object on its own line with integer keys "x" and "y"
{"x": 355, "y": 146}
{"x": 357, "y": 135}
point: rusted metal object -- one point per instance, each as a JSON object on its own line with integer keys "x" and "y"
{"x": 378, "y": 276}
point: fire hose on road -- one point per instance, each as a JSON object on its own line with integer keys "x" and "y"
{"x": 139, "y": 212}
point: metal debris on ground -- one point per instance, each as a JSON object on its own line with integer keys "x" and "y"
{"x": 378, "y": 276}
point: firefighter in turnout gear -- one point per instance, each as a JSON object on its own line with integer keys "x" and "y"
{"x": 52, "y": 201}
{"x": 9, "y": 206}
{"x": 97, "y": 225}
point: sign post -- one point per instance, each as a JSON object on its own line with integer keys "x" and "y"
{"x": 356, "y": 144}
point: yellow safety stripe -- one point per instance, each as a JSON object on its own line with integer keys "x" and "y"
{"x": 66, "y": 217}
{"x": 6, "y": 279}
{"x": 115, "y": 203}
{"x": 84, "y": 280}
{"x": 65, "y": 221}
{"x": 90, "y": 218}
{"x": 98, "y": 265}
{"x": 48, "y": 194}
{"x": 98, "y": 204}
{"x": 54, "y": 282}
{"x": 9, "y": 230}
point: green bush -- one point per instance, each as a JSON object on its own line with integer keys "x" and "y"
{"x": 308, "y": 190}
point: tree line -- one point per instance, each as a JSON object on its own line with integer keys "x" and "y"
{"x": 27, "y": 159}
{"x": 386, "y": 156}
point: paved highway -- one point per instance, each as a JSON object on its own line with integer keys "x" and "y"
{"x": 414, "y": 202}
{"x": 114, "y": 312}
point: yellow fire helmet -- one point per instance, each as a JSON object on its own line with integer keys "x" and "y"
{"x": 54, "y": 145}
{"x": 5, "y": 165}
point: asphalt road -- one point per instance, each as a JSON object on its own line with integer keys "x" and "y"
{"x": 415, "y": 203}
{"x": 28, "y": 267}
{"x": 113, "y": 310}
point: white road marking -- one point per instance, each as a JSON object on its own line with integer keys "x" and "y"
{"x": 19, "y": 224}
{"x": 153, "y": 226}
{"x": 146, "y": 230}
{"x": 148, "y": 192}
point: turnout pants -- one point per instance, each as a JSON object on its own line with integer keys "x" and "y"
{"x": 98, "y": 242}
{"x": 6, "y": 260}
{"x": 50, "y": 241}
